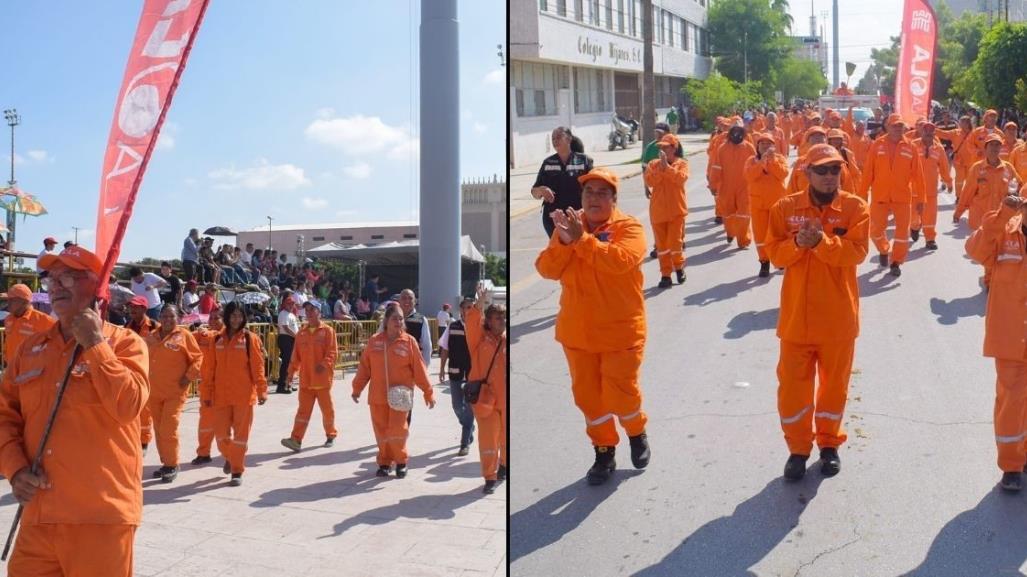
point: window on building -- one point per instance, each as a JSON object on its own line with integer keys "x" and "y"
{"x": 696, "y": 43}
{"x": 377, "y": 236}
{"x": 620, "y": 16}
{"x": 609, "y": 14}
{"x": 561, "y": 7}
{"x": 633, "y": 11}
{"x": 345, "y": 237}
{"x": 319, "y": 238}
{"x": 411, "y": 235}
{"x": 543, "y": 5}
{"x": 705, "y": 44}
{"x": 535, "y": 87}
{"x": 670, "y": 27}
{"x": 684, "y": 34}
{"x": 658, "y": 25}
{"x": 591, "y": 91}
{"x": 594, "y": 13}
{"x": 579, "y": 10}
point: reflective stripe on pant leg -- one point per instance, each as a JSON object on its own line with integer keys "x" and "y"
{"x": 878, "y": 224}
{"x": 327, "y": 408}
{"x": 795, "y": 373}
{"x": 903, "y": 214}
{"x": 303, "y": 412}
{"x": 1010, "y": 413}
{"x": 380, "y": 424}
{"x": 621, "y": 391}
{"x": 834, "y": 368}
{"x": 489, "y": 429}
{"x": 587, "y": 386}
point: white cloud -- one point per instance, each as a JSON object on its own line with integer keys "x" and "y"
{"x": 480, "y": 128}
{"x": 361, "y": 135}
{"x": 190, "y": 182}
{"x": 166, "y": 138}
{"x": 409, "y": 150}
{"x": 497, "y": 76}
{"x": 325, "y": 113}
{"x": 38, "y": 156}
{"x": 358, "y": 170}
{"x": 310, "y": 203}
{"x": 260, "y": 177}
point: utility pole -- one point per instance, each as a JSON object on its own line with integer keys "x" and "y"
{"x": 11, "y": 115}
{"x": 269, "y": 219}
{"x": 648, "y": 85}
{"x": 834, "y": 39}
{"x": 76, "y": 233}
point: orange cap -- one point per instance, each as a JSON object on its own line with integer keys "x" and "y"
{"x": 19, "y": 291}
{"x": 74, "y": 257}
{"x": 894, "y": 118}
{"x": 927, "y": 125}
{"x": 669, "y": 140}
{"x": 822, "y": 154}
{"x": 991, "y": 112}
{"x": 834, "y": 114}
{"x": 602, "y": 174}
{"x": 814, "y": 130}
{"x": 761, "y": 136}
{"x": 835, "y": 133}
{"x": 1010, "y": 124}
{"x": 138, "y": 301}
{"x": 994, "y": 138}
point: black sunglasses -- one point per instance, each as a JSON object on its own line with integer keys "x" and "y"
{"x": 824, "y": 170}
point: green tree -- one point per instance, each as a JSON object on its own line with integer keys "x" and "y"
{"x": 720, "y": 96}
{"x": 797, "y": 78}
{"x": 882, "y": 69}
{"x": 958, "y": 46}
{"x": 1002, "y": 60}
{"x": 495, "y": 269}
{"x": 782, "y": 8}
{"x": 748, "y": 37}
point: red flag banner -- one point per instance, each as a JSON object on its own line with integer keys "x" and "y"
{"x": 916, "y": 61}
{"x": 162, "y": 43}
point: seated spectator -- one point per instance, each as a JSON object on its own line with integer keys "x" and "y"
{"x": 211, "y": 270}
{"x": 258, "y": 259}
{"x": 208, "y": 301}
{"x": 172, "y": 292}
{"x": 341, "y": 308}
{"x": 242, "y": 269}
{"x": 224, "y": 260}
{"x": 363, "y": 309}
{"x": 189, "y": 298}
{"x": 147, "y": 285}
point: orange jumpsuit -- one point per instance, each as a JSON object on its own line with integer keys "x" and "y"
{"x": 491, "y": 424}
{"x": 314, "y": 348}
{"x": 233, "y": 380}
{"x": 860, "y": 146}
{"x": 977, "y": 136}
{"x": 83, "y": 523}
{"x": 936, "y": 166}
{"x": 984, "y": 189}
{"x": 819, "y": 319}
{"x": 963, "y": 154}
{"x": 732, "y": 194}
{"x": 1000, "y": 244}
{"x": 205, "y": 428}
{"x": 1018, "y": 158}
{"x": 145, "y": 417}
{"x": 1008, "y": 146}
{"x": 711, "y": 152}
{"x": 780, "y": 141}
{"x": 667, "y": 211}
{"x": 797, "y": 181}
{"x": 17, "y": 329}
{"x": 766, "y": 178}
{"x": 894, "y": 175}
{"x": 171, "y": 358}
{"x": 405, "y": 368}
{"x": 601, "y": 323}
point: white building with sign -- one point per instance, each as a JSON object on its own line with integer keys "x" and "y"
{"x": 575, "y": 62}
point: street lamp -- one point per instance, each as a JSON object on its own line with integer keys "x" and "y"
{"x": 13, "y": 119}
{"x": 76, "y": 233}
{"x": 502, "y": 61}
{"x": 269, "y": 219}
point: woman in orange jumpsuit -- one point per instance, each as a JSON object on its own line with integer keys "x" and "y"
{"x": 175, "y": 360}
{"x": 234, "y": 381}
{"x": 765, "y": 173}
{"x": 596, "y": 256}
{"x": 486, "y": 340}
{"x": 730, "y": 187}
{"x": 313, "y": 357}
{"x": 936, "y": 167}
{"x": 666, "y": 176}
{"x": 392, "y": 358}
{"x": 205, "y": 429}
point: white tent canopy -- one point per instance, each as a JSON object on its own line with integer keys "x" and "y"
{"x": 390, "y": 253}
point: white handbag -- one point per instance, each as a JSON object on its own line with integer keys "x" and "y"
{"x": 401, "y": 397}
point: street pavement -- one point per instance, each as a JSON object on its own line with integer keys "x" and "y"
{"x": 917, "y": 492}
{"x": 322, "y": 512}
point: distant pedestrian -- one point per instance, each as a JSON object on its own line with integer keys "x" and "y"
{"x": 557, "y": 182}
{"x": 454, "y": 350}
{"x": 191, "y": 255}
{"x": 313, "y": 357}
{"x": 22, "y": 320}
{"x": 443, "y": 318}
{"x": 205, "y": 336}
{"x": 288, "y": 326}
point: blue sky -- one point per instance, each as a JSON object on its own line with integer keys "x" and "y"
{"x": 300, "y": 110}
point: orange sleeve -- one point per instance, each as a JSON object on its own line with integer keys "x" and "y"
{"x": 969, "y": 191}
{"x": 209, "y": 368}
{"x": 332, "y": 352}
{"x": 618, "y": 257}
{"x": 793, "y": 178}
{"x": 120, "y": 376}
{"x": 363, "y": 375}
{"x": 473, "y": 330}
{"x": 674, "y": 175}
{"x": 780, "y": 243}
{"x": 945, "y": 169}
{"x": 296, "y": 358}
{"x": 420, "y": 373}
{"x": 716, "y": 171}
{"x": 868, "y": 170}
{"x": 778, "y": 167}
{"x": 753, "y": 170}
{"x": 552, "y": 261}
{"x": 194, "y": 356}
{"x": 919, "y": 186}
{"x": 983, "y": 244}
{"x": 12, "y": 424}
{"x": 849, "y": 249}
{"x": 648, "y": 173}
{"x": 257, "y": 365}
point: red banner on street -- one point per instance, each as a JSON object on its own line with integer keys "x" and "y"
{"x": 162, "y": 43}
{"x": 916, "y": 61}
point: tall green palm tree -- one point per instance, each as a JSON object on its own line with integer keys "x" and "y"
{"x": 782, "y": 8}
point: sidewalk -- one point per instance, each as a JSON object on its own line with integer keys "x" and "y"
{"x": 626, "y": 163}
{"x": 322, "y": 512}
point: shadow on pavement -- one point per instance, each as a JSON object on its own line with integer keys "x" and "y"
{"x": 532, "y": 326}
{"x": 962, "y": 232}
{"x": 869, "y": 287}
{"x": 949, "y": 312}
{"x": 365, "y": 481}
{"x": 327, "y": 457}
{"x": 731, "y": 545}
{"x": 556, "y": 515}
{"x": 985, "y": 540}
{"x": 749, "y": 321}
{"x": 179, "y": 493}
{"x": 443, "y": 465}
{"x": 428, "y": 507}
{"x": 724, "y": 291}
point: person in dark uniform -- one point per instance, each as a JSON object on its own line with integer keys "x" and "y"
{"x": 416, "y": 326}
{"x": 453, "y": 348}
{"x": 557, "y": 182}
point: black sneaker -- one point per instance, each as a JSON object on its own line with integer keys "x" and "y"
{"x": 681, "y": 275}
{"x": 227, "y": 469}
{"x": 730, "y": 239}
{"x": 830, "y": 463}
{"x": 764, "y": 268}
{"x": 501, "y": 474}
{"x": 1012, "y": 482}
{"x": 329, "y": 442}
{"x": 665, "y": 282}
{"x": 383, "y": 471}
{"x": 170, "y": 474}
{"x": 718, "y": 220}
{"x": 914, "y": 235}
{"x": 883, "y": 259}
{"x": 464, "y": 451}
{"x": 145, "y": 446}
{"x": 401, "y": 471}
{"x": 795, "y": 467}
{"x": 280, "y": 390}
{"x": 236, "y": 480}
{"x": 895, "y": 270}
{"x": 652, "y": 254}
{"x": 931, "y": 245}
{"x": 490, "y": 487}
{"x": 159, "y": 473}
{"x": 603, "y": 467}
{"x": 639, "y": 450}
{"x": 201, "y": 460}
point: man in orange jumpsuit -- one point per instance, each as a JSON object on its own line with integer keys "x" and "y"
{"x": 894, "y": 177}
{"x": 205, "y": 429}
{"x": 778, "y": 134}
{"x": 980, "y": 133}
{"x": 22, "y": 320}
{"x": 936, "y": 167}
{"x": 1018, "y": 158}
{"x": 313, "y": 357}
{"x": 83, "y": 505}
{"x": 142, "y": 325}
{"x": 175, "y": 361}
{"x": 1011, "y": 140}
{"x": 765, "y": 174}
{"x": 1000, "y": 243}
{"x": 851, "y": 172}
{"x": 728, "y": 184}
{"x": 486, "y": 339}
{"x": 601, "y": 320}
{"x": 666, "y": 176}
{"x": 797, "y": 181}
{"x": 963, "y": 153}
{"x": 819, "y": 236}
{"x": 860, "y": 144}
{"x": 718, "y": 138}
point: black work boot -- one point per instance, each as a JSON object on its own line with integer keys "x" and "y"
{"x": 665, "y": 282}
{"x": 830, "y": 462}
{"x": 170, "y": 474}
{"x": 795, "y": 467}
{"x": 883, "y": 259}
{"x": 603, "y": 467}
{"x": 502, "y": 473}
{"x": 1012, "y": 482}
{"x": 202, "y": 460}
{"x": 718, "y": 220}
{"x": 681, "y": 275}
{"x": 639, "y": 450}
{"x": 931, "y": 245}
{"x": 914, "y": 235}
{"x": 764, "y": 268}
{"x": 653, "y": 253}
{"x": 895, "y": 270}
{"x": 730, "y": 239}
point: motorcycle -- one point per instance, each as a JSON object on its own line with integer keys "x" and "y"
{"x": 623, "y": 132}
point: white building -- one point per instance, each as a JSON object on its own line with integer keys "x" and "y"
{"x": 483, "y": 214}
{"x": 291, "y": 239}
{"x": 575, "y": 62}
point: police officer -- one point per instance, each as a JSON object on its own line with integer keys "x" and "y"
{"x": 453, "y": 347}
{"x": 557, "y": 182}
